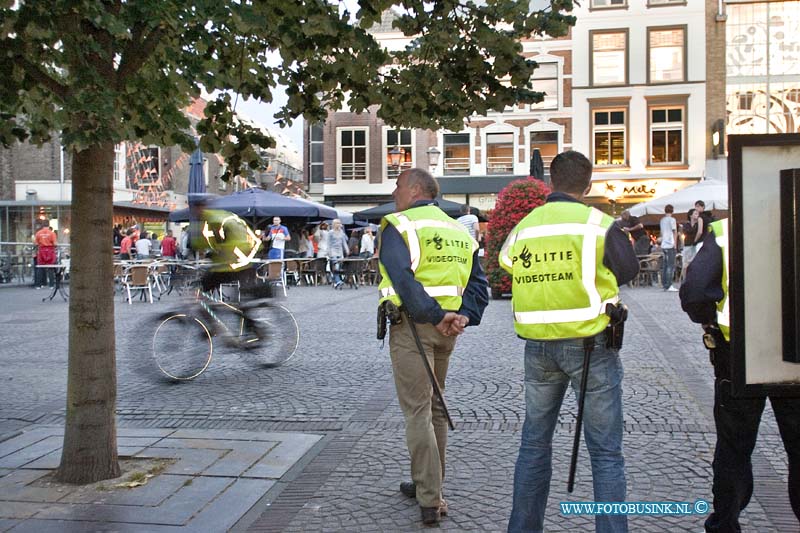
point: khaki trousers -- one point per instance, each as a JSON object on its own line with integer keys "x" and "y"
{"x": 426, "y": 424}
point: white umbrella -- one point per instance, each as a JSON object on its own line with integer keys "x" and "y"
{"x": 713, "y": 192}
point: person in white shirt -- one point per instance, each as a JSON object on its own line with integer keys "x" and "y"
{"x": 143, "y": 246}
{"x": 669, "y": 245}
{"x": 367, "y": 249}
{"x": 469, "y": 221}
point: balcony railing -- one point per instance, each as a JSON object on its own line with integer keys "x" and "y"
{"x": 456, "y": 165}
{"x": 354, "y": 171}
{"x": 500, "y": 165}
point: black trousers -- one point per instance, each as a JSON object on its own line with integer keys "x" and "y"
{"x": 737, "y": 421}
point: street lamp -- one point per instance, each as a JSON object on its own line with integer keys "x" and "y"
{"x": 395, "y": 154}
{"x": 433, "y": 157}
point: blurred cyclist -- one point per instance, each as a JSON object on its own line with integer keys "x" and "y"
{"x": 233, "y": 247}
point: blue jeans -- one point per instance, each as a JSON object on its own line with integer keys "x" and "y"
{"x": 549, "y": 367}
{"x": 668, "y": 267}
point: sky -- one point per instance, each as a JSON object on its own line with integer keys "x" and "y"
{"x": 263, "y": 113}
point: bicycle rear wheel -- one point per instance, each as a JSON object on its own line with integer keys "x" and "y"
{"x": 182, "y": 347}
{"x": 278, "y": 335}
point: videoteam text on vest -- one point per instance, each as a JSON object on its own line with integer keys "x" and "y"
{"x": 538, "y": 278}
{"x": 447, "y": 259}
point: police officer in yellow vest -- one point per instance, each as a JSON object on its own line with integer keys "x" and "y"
{"x": 429, "y": 266}
{"x": 704, "y": 297}
{"x": 566, "y": 261}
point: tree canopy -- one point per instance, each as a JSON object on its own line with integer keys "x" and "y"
{"x": 98, "y": 72}
{"x": 109, "y": 71}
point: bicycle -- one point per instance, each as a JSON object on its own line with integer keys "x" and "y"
{"x": 183, "y": 342}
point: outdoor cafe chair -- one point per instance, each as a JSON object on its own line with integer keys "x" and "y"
{"x": 272, "y": 272}
{"x": 649, "y": 269}
{"x": 313, "y": 272}
{"x": 138, "y": 277}
{"x": 292, "y": 271}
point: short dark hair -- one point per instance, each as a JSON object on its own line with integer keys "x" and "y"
{"x": 428, "y": 184}
{"x": 571, "y": 172}
{"x": 701, "y": 203}
{"x": 668, "y": 208}
{"x": 465, "y": 209}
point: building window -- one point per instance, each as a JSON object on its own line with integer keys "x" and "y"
{"x": 746, "y": 100}
{"x": 609, "y": 137}
{"x": 499, "y": 153}
{"x": 119, "y": 163}
{"x": 547, "y": 144}
{"x": 667, "y": 49}
{"x": 609, "y": 58}
{"x": 545, "y": 79}
{"x": 601, "y": 4}
{"x": 666, "y": 135}
{"x": 401, "y": 139}
{"x": 316, "y": 158}
{"x": 664, "y": 2}
{"x": 456, "y": 154}
{"x": 143, "y": 165}
{"x": 353, "y": 154}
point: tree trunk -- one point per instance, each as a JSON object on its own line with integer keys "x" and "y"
{"x": 90, "y": 436}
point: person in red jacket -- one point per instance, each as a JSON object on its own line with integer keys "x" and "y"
{"x": 169, "y": 245}
{"x": 126, "y": 245}
{"x": 45, "y": 239}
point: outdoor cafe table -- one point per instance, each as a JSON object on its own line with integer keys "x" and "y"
{"x": 57, "y": 288}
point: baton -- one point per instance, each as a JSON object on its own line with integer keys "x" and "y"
{"x": 429, "y": 370}
{"x": 588, "y": 346}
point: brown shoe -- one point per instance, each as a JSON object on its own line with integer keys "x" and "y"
{"x": 430, "y": 515}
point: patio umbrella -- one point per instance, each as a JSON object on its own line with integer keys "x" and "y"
{"x": 712, "y": 191}
{"x": 258, "y": 203}
{"x": 453, "y": 209}
{"x": 197, "y": 179}
{"x": 537, "y": 165}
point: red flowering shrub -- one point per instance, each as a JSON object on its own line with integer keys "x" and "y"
{"x": 514, "y": 202}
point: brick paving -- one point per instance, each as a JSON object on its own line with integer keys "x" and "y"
{"x": 339, "y": 386}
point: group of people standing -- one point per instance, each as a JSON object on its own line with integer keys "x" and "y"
{"x": 139, "y": 244}
{"x": 567, "y": 262}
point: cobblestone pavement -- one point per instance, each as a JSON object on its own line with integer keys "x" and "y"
{"x": 340, "y": 385}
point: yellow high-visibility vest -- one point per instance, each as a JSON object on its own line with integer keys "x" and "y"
{"x": 560, "y": 287}
{"x": 720, "y": 228}
{"x": 231, "y": 239}
{"x": 441, "y": 253}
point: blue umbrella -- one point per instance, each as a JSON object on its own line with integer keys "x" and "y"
{"x": 376, "y": 213}
{"x": 258, "y": 203}
{"x": 197, "y": 179}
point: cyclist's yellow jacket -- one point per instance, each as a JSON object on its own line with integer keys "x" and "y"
{"x": 560, "y": 286}
{"x": 230, "y": 238}
{"x": 441, "y": 253}
{"x": 720, "y": 228}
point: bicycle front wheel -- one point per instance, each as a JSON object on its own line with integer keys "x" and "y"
{"x": 278, "y": 335}
{"x": 182, "y": 347}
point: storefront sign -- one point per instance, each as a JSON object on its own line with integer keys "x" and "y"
{"x": 619, "y": 190}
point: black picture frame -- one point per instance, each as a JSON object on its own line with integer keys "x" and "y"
{"x": 738, "y": 204}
